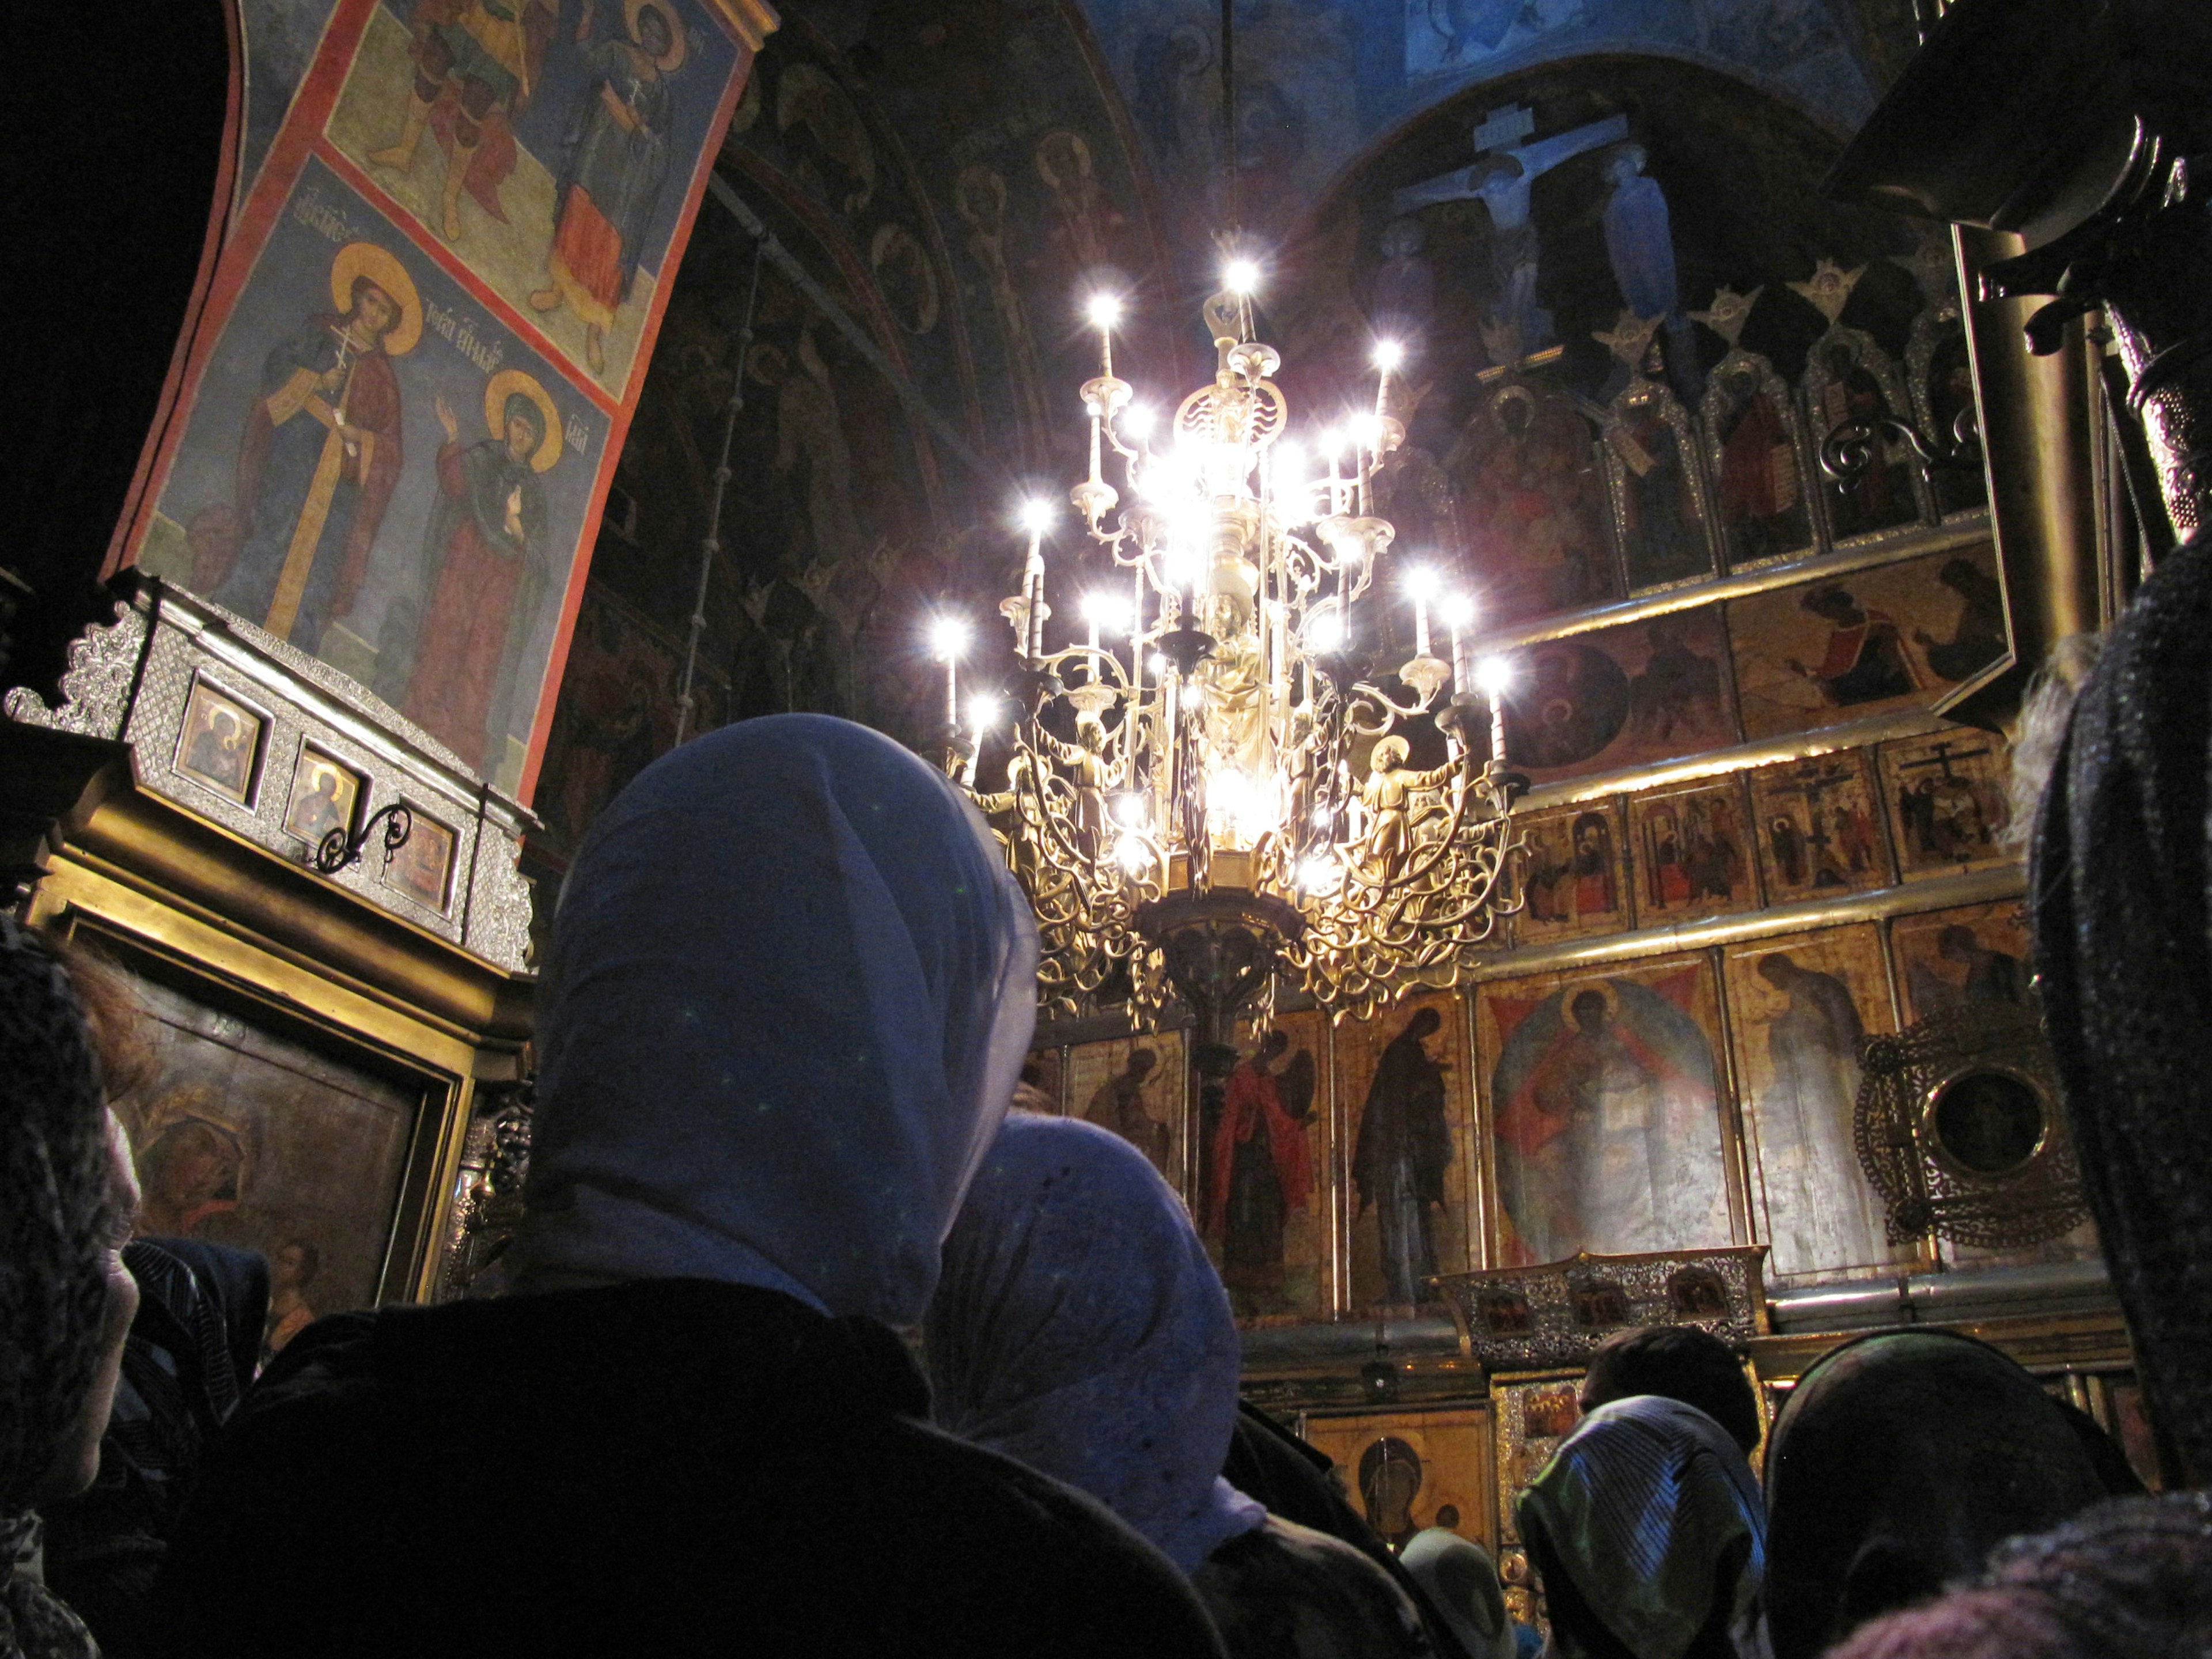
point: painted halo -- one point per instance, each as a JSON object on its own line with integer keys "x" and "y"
{"x": 381, "y": 267}
{"x": 507, "y": 383}
{"x": 678, "y": 42}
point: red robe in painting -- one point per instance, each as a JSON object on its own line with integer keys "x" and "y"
{"x": 1250, "y": 1100}
{"x": 487, "y": 530}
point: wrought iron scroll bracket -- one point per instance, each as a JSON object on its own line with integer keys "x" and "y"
{"x": 1848, "y": 451}
{"x": 338, "y": 849}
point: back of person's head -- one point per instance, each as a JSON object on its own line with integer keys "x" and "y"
{"x": 1901, "y": 1460}
{"x": 66, "y": 1198}
{"x": 1676, "y": 1362}
{"x": 2131, "y": 1578}
{"x": 1080, "y": 1328}
{"x": 1646, "y": 1530}
{"x": 790, "y": 990}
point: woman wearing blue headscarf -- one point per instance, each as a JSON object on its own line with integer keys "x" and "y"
{"x": 1080, "y": 1328}
{"x": 790, "y": 989}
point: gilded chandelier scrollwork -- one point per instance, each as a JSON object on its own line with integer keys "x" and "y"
{"x": 1219, "y": 747}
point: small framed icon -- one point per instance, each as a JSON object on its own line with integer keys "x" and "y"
{"x": 324, "y": 794}
{"x": 421, "y": 866}
{"x": 219, "y": 745}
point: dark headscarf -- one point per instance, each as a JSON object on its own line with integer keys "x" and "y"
{"x": 56, "y": 1214}
{"x": 2129, "y": 1579}
{"x": 57, "y": 1219}
{"x": 2121, "y": 892}
{"x": 1901, "y": 1461}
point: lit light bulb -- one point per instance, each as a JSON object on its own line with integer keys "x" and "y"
{"x": 1136, "y": 421}
{"x": 1241, "y": 276}
{"x": 1458, "y": 610}
{"x": 1319, "y": 874}
{"x": 1133, "y": 854}
{"x": 983, "y": 713}
{"x": 1158, "y": 663}
{"x": 1036, "y": 515}
{"x": 1333, "y": 442}
{"x": 1104, "y": 310}
{"x": 948, "y": 638}
{"x": 1132, "y": 812}
{"x": 1325, "y": 632}
{"x": 1367, "y": 431}
{"x": 1420, "y": 583}
{"x": 1323, "y": 815}
{"x": 1494, "y": 675}
{"x": 1388, "y": 354}
{"x": 1290, "y": 462}
{"x": 1107, "y": 612}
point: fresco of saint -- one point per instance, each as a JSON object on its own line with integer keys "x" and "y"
{"x": 618, "y": 159}
{"x": 485, "y": 564}
{"x": 318, "y": 459}
{"x": 1258, "y": 1170}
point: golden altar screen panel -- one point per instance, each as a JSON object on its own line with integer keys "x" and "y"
{"x": 1576, "y": 878}
{"x": 1262, "y": 1193}
{"x": 1401, "y": 1469}
{"x": 1692, "y": 853}
{"x": 1949, "y": 959}
{"x": 1630, "y": 695}
{"x": 1604, "y": 1102}
{"x": 1948, "y": 801}
{"x": 1841, "y": 648}
{"x": 261, "y": 1133}
{"x": 1137, "y": 1087}
{"x": 1405, "y": 1087}
{"x": 1799, "y": 1006}
{"x": 1818, "y": 827}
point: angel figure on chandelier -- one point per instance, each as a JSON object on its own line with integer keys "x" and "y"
{"x": 1388, "y": 796}
{"x": 1086, "y": 765}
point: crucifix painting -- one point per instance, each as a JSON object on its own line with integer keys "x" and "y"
{"x": 1947, "y": 801}
{"x": 1509, "y": 160}
{"x": 1817, "y": 828}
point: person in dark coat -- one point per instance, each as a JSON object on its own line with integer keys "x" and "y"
{"x": 790, "y": 991}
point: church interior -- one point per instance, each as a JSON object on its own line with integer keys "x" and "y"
{"x": 1571, "y": 625}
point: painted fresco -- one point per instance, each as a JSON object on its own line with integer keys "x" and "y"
{"x": 1604, "y": 1110}
{"x": 376, "y": 470}
{"x": 547, "y": 143}
{"x": 1800, "y": 1006}
{"x": 280, "y": 38}
{"x": 1263, "y": 1204}
{"x": 616, "y": 713}
{"x": 1692, "y": 853}
{"x": 1948, "y": 959}
{"x": 1849, "y": 647}
{"x": 1948, "y": 801}
{"x": 1576, "y": 878}
{"x": 1136, "y": 1087}
{"x": 1621, "y": 696}
{"x": 1818, "y": 826}
{"x": 1404, "y": 1084}
{"x": 248, "y": 1137}
{"x": 1405, "y": 1471}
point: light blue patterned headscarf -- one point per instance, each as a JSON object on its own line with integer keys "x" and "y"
{"x": 1080, "y": 1328}
{"x": 790, "y": 992}
{"x": 1642, "y": 1505}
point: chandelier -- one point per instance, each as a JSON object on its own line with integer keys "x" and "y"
{"x": 1214, "y": 781}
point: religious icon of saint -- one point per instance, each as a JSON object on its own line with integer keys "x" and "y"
{"x": 323, "y": 796}
{"x": 319, "y": 458}
{"x": 419, "y": 866}
{"x": 485, "y": 565}
{"x": 1391, "y": 1476}
{"x": 1403, "y": 1151}
{"x": 191, "y": 1166}
{"x": 1258, "y": 1170}
{"x": 617, "y": 163}
{"x": 292, "y": 1268}
{"x": 477, "y": 64}
{"x": 1866, "y": 659}
{"x": 1119, "y": 1104}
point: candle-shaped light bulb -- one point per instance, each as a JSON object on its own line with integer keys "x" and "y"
{"x": 1494, "y": 675}
{"x": 1036, "y": 513}
{"x": 1421, "y": 584}
{"x": 1105, "y": 311}
{"x": 1459, "y": 616}
{"x": 948, "y": 643}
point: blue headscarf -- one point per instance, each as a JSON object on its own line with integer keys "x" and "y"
{"x": 1080, "y": 1329}
{"x": 790, "y": 991}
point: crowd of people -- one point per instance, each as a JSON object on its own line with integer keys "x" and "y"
{"x": 809, "y": 1344}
